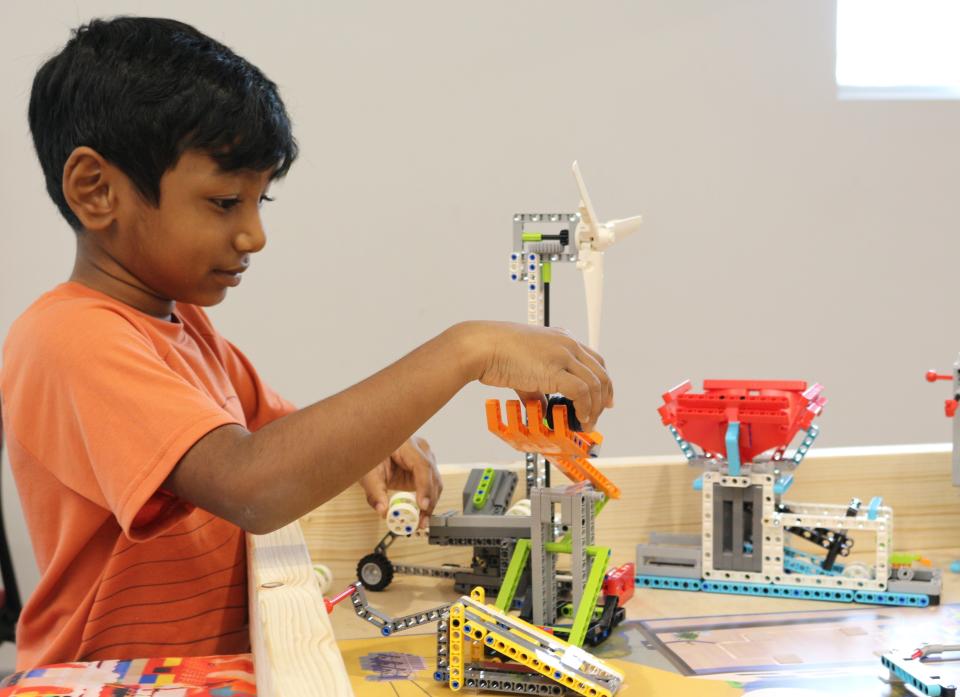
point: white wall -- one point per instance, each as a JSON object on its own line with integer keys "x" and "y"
{"x": 787, "y": 234}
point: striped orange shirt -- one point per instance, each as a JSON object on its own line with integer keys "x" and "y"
{"x": 100, "y": 402}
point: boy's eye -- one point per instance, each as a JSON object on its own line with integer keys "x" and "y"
{"x": 225, "y": 203}
{"x": 228, "y": 203}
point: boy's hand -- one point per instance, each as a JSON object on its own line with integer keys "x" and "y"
{"x": 412, "y": 467}
{"x": 535, "y": 361}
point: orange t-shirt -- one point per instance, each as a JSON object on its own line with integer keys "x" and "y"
{"x": 100, "y": 402}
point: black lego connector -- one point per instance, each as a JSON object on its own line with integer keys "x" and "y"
{"x": 573, "y": 423}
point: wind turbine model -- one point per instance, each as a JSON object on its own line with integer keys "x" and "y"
{"x": 544, "y": 238}
{"x": 593, "y": 239}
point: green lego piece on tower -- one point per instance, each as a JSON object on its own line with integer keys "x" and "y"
{"x": 591, "y": 592}
{"x": 483, "y": 488}
{"x": 511, "y": 579}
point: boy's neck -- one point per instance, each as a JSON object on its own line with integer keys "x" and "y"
{"x": 96, "y": 270}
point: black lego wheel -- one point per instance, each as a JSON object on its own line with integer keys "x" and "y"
{"x": 375, "y": 571}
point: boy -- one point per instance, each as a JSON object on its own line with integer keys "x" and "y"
{"x": 142, "y": 442}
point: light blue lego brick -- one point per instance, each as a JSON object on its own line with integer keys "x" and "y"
{"x": 955, "y": 567}
{"x": 805, "y": 444}
{"x": 898, "y": 599}
{"x": 684, "y": 446}
{"x": 837, "y": 595}
{"x": 874, "y": 508}
{"x": 782, "y": 484}
{"x": 698, "y": 483}
{"x": 732, "y": 441}
{"x": 923, "y": 687}
{"x": 669, "y": 582}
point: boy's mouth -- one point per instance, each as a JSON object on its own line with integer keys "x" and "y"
{"x": 229, "y": 277}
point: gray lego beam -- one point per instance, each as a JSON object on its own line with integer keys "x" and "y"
{"x": 670, "y": 560}
{"x": 500, "y": 492}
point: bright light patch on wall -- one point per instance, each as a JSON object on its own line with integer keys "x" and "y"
{"x": 898, "y": 49}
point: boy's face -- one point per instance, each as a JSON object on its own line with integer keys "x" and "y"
{"x": 196, "y": 243}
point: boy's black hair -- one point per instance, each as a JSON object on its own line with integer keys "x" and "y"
{"x": 141, "y": 91}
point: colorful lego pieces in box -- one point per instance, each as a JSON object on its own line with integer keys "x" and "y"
{"x": 739, "y": 432}
{"x": 531, "y": 659}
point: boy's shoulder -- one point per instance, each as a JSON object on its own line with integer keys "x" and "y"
{"x": 72, "y": 319}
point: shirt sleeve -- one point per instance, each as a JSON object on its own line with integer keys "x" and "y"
{"x": 112, "y": 419}
{"x": 260, "y": 403}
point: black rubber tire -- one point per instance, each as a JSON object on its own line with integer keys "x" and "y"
{"x": 375, "y": 572}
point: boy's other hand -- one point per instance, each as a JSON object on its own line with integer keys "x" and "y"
{"x": 535, "y": 361}
{"x": 412, "y": 467}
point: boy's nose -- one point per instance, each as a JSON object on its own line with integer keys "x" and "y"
{"x": 252, "y": 237}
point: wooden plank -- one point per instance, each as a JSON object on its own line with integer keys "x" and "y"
{"x": 658, "y": 496}
{"x": 294, "y": 650}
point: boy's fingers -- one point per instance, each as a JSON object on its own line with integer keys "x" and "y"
{"x": 375, "y": 486}
{"x": 589, "y": 358}
{"x": 596, "y": 355}
{"x": 531, "y": 396}
{"x": 574, "y": 388}
{"x": 419, "y": 461}
{"x": 592, "y": 383}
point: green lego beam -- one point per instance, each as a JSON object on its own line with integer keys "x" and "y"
{"x": 508, "y": 589}
{"x": 483, "y": 488}
{"x": 591, "y": 591}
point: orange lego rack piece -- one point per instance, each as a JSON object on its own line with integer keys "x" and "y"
{"x": 568, "y": 450}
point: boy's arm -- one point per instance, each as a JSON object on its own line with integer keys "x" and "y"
{"x": 263, "y": 480}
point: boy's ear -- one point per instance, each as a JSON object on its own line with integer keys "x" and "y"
{"x": 90, "y": 188}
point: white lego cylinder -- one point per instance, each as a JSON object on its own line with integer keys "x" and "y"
{"x": 403, "y": 514}
{"x": 324, "y": 576}
{"x": 521, "y": 507}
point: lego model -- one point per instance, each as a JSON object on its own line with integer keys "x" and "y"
{"x": 531, "y": 660}
{"x": 532, "y": 572}
{"x": 743, "y": 429}
{"x": 934, "y": 669}
{"x": 541, "y": 240}
{"x": 515, "y": 550}
{"x": 950, "y": 410}
{"x": 485, "y": 523}
{"x": 925, "y": 670}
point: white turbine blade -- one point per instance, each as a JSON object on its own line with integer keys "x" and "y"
{"x": 622, "y": 228}
{"x": 587, "y": 215}
{"x": 592, "y": 267}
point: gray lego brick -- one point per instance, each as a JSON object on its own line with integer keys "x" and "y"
{"x": 481, "y": 677}
{"x": 738, "y": 518}
{"x": 669, "y": 560}
{"x": 501, "y": 491}
{"x": 931, "y": 587}
{"x": 489, "y": 529}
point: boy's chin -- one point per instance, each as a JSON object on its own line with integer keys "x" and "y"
{"x": 207, "y": 298}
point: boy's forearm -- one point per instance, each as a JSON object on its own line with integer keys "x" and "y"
{"x": 289, "y": 467}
